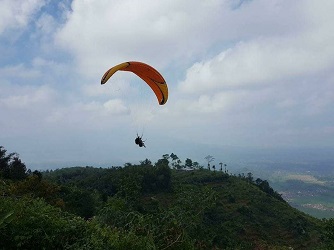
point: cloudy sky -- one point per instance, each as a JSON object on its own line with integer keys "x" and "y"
{"x": 251, "y": 74}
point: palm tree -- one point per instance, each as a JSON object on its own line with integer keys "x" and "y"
{"x": 209, "y": 159}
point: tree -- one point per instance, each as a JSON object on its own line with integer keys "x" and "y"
{"x": 146, "y": 162}
{"x": 258, "y": 181}
{"x": 79, "y": 201}
{"x": 328, "y": 233}
{"x": 38, "y": 174}
{"x": 34, "y": 186}
{"x": 265, "y": 187}
{"x": 196, "y": 165}
{"x": 166, "y": 156}
{"x": 209, "y": 158}
{"x": 176, "y": 162}
{"x": 164, "y": 177}
{"x": 189, "y": 163}
{"x": 250, "y": 177}
{"x": 128, "y": 164}
{"x": 17, "y": 169}
{"x": 11, "y": 166}
{"x": 164, "y": 161}
{"x": 4, "y": 162}
{"x": 221, "y": 166}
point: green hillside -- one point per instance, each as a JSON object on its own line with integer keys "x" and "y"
{"x": 151, "y": 206}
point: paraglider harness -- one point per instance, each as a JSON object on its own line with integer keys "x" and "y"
{"x": 139, "y": 141}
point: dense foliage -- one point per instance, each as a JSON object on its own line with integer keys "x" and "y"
{"x": 11, "y": 165}
{"x": 149, "y": 206}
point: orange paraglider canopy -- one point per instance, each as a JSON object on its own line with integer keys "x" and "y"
{"x": 146, "y": 72}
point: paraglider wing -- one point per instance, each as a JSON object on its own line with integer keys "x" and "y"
{"x": 146, "y": 72}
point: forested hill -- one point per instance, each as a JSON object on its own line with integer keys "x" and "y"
{"x": 151, "y": 206}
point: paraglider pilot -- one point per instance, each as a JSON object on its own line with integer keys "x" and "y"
{"x": 139, "y": 141}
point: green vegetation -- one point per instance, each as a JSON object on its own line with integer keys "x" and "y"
{"x": 149, "y": 206}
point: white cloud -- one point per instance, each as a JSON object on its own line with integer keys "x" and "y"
{"x": 272, "y": 76}
{"x": 17, "y": 14}
{"x": 38, "y": 71}
{"x": 116, "y": 106}
{"x": 23, "y": 108}
{"x": 88, "y": 116}
{"x": 103, "y": 33}
{"x": 28, "y": 98}
{"x": 260, "y": 61}
{"x": 19, "y": 71}
{"x": 46, "y": 24}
